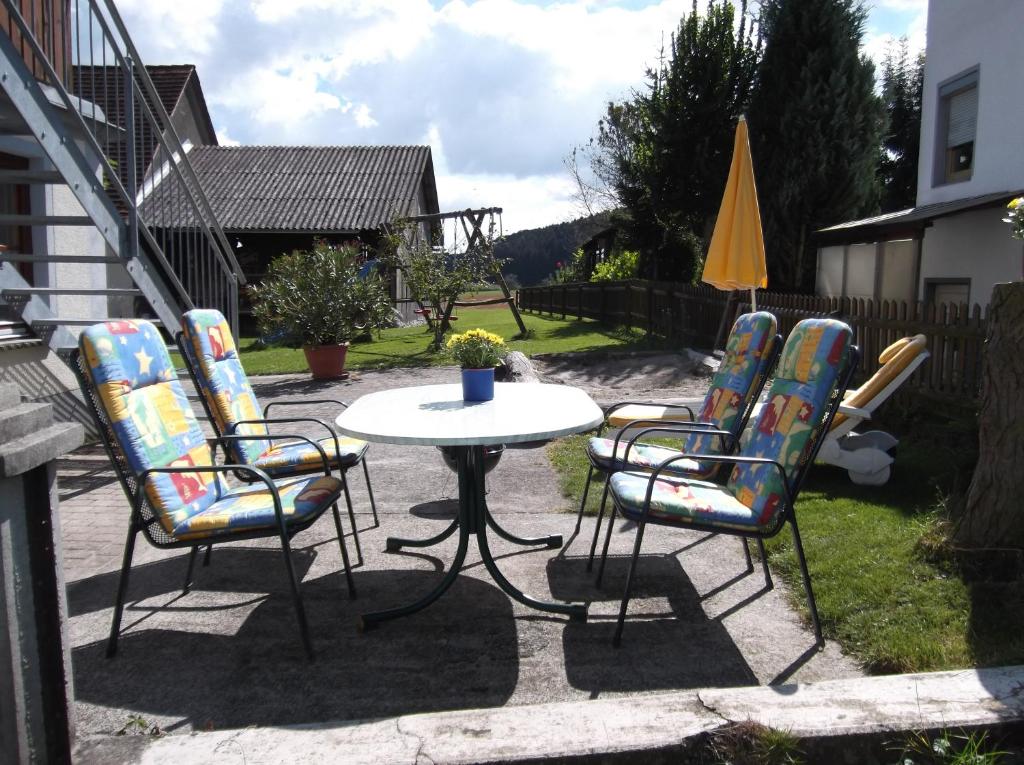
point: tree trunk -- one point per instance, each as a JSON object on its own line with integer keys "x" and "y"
{"x": 992, "y": 517}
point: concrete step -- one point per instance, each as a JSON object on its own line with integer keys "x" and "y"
{"x": 10, "y": 395}
{"x": 20, "y": 420}
{"x": 47, "y": 291}
{"x": 23, "y": 454}
{"x": 12, "y": 219}
{"x": 31, "y": 257}
{"x": 15, "y": 177}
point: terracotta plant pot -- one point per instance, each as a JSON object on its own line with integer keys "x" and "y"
{"x": 326, "y": 362}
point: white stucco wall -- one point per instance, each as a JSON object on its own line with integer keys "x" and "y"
{"x": 963, "y": 34}
{"x": 974, "y": 245}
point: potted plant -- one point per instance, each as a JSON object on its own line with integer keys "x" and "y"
{"x": 477, "y": 352}
{"x": 317, "y": 298}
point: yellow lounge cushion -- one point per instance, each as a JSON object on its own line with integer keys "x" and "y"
{"x": 627, "y": 414}
{"x": 896, "y": 358}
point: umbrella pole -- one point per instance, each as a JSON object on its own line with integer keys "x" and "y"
{"x": 722, "y": 324}
{"x": 753, "y": 299}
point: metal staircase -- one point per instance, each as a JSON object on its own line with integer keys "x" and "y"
{"x": 120, "y": 171}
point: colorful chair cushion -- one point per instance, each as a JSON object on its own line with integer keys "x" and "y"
{"x": 222, "y": 381}
{"x": 299, "y": 456}
{"x": 814, "y": 356}
{"x": 750, "y": 342}
{"x": 640, "y": 456}
{"x": 138, "y": 389}
{"x": 227, "y": 391}
{"x": 249, "y": 508}
{"x": 681, "y": 499}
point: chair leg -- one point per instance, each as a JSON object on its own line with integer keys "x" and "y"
{"x": 344, "y": 552}
{"x": 597, "y": 523}
{"x": 369, "y": 489}
{"x": 811, "y": 604}
{"x": 617, "y": 638}
{"x": 746, "y": 554}
{"x": 208, "y": 556}
{"x": 352, "y": 519}
{"x": 300, "y": 610}
{"x": 604, "y": 551}
{"x": 583, "y": 502}
{"x": 768, "y": 583}
{"x": 122, "y": 589}
{"x": 191, "y": 566}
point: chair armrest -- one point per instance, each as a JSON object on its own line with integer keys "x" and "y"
{"x": 303, "y": 402}
{"x": 235, "y": 437}
{"x": 705, "y": 428}
{"x": 291, "y": 420}
{"x": 262, "y": 476}
{"x": 853, "y": 411}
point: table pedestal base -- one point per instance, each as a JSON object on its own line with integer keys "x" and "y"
{"x": 474, "y": 519}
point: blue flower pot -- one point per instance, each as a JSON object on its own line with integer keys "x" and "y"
{"x": 478, "y": 384}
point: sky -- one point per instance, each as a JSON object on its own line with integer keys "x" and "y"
{"x": 502, "y": 90}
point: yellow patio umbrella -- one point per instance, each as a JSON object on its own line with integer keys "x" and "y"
{"x": 736, "y": 257}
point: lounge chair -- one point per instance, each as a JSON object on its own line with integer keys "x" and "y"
{"x": 751, "y": 352}
{"x": 209, "y": 351}
{"x": 867, "y": 456}
{"x": 760, "y": 494}
{"x": 179, "y": 497}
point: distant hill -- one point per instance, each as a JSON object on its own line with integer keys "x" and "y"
{"x": 532, "y": 253}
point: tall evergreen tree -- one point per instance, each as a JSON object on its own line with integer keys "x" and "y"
{"x": 902, "y": 87}
{"x": 666, "y": 151}
{"x": 815, "y": 126}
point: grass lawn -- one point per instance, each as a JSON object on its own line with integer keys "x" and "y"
{"x": 408, "y": 346}
{"x": 880, "y": 594}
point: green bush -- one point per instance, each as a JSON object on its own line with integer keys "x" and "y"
{"x": 622, "y": 265}
{"x": 316, "y": 297}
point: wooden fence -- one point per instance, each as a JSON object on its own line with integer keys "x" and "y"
{"x": 692, "y": 315}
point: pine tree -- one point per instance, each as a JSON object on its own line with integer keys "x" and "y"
{"x": 815, "y": 125}
{"x": 902, "y": 87}
{"x": 666, "y": 151}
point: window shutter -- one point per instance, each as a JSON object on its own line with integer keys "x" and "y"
{"x": 963, "y": 117}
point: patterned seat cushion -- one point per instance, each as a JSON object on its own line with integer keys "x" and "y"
{"x": 814, "y": 356}
{"x": 685, "y": 500}
{"x": 299, "y": 456}
{"x": 599, "y": 450}
{"x": 227, "y": 391}
{"x": 250, "y": 508}
{"x": 751, "y": 343}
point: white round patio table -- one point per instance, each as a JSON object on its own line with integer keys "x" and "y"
{"x": 436, "y": 415}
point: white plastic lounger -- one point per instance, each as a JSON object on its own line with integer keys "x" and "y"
{"x": 866, "y": 456}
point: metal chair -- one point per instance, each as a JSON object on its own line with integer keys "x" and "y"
{"x": 165, "y": 464}
{"x": 751, "y": 352}
{"x": 208, "y": 348}
{"x": 759, "y": 497}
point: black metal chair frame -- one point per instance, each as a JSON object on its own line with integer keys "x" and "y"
{"x": 190, "y": 364}
{"x": 791, "y": 488}
{"x": 145, "y": 519}
{"x": 729, "y": 440}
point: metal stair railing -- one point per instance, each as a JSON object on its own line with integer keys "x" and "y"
{"x": 147, "y": 174}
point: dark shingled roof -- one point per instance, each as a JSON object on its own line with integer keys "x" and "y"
{"x": 321, "y": 189}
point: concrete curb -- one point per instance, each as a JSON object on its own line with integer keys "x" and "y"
{"x": 650, "y": 728}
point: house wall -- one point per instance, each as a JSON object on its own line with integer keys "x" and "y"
{"x": 974, "y": 245}
{"x": 962, "y": 35}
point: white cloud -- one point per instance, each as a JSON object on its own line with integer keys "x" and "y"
{"x": 188, "y": 28}
{"x": 224, "y": 139}
{"x": 363, "y": 117}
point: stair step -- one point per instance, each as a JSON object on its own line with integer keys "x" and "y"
{"x": 82, "y": 322}
{"x": 43, "y": 291}
{"x": 23, "y": 454}
{"x": 11, "y": 219}
{"x": 28, "y": 257}
{"x": 30, "y": 176}
{"x": 20, "y": 420}
{"x": 10, "y": 395}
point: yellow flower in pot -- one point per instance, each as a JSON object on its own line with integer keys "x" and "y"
{"x": 477, "y": 352}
